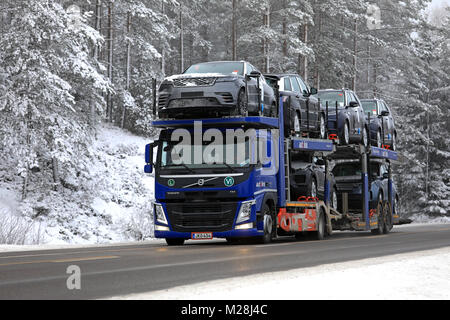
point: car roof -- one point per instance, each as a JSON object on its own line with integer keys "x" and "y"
{"x": 208, "y": 62}
{"x": 280, "y": 75}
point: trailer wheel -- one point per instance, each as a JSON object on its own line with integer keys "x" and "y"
{"x": 175, "y": 241}
{"x": 321, "y": 232}
{"x": 380, "y": 212}
{"x": 387, "y": 218}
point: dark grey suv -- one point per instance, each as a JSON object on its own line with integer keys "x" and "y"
{"x": 214, "y": 89}
{"x": 382, "y": 125}
{"x": 351, "y": 122}
{"x": 303, "y": 113}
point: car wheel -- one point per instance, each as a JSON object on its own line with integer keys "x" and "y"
{"x": 313, "y": 188}
{"x": 322, "y": 129}
{"x": 379, "y": 142}
{"x": 175, "y": 241}
{"x": 346, "y": 134}
{"x": 273, "y": 110}
{"x": 365, "y": 138}
{"x": 394, "y": 142}
{"x": 334, "y": 200}
{"x": 297, "y": 127}
{"x": 242, "y": 107}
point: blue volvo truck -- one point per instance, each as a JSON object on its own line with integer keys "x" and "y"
{"x": 249, "y": 198}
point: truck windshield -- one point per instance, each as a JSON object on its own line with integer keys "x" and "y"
{"x": 172, "y": 155}
{"x": 332, "y": 97}
{"x": 369, "y": 107}
{"x": 217, "y": 67}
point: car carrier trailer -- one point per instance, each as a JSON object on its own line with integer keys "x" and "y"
{"x": 200, "y": 204}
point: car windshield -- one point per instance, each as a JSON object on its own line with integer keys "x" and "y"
{"x": 369, "y": 106}
{"x": 347, "y": 169}
{"x": 217, "y": 67}
{"x": 331, "y": 97}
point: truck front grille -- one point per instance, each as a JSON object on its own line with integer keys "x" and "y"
{"x": 206, "y": 216}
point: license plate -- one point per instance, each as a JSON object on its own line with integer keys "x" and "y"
{"x": 201, "y": 235}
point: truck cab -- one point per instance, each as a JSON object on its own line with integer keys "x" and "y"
{"x": 221, "y": 189}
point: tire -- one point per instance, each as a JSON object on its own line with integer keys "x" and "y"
{"x": 241, "y": 107}
{"x": 297, "y": 124}
{"x": 233, "y": 241}
{"x": 379, "y": 140}
{"x": 334, "y": 199}
{"x": 273, "y": 111}
{"x": 313, "y": 188}
{"x": 269, "y": 225}
{"x": 321, "y": 232}
{"x": 388, "y": 225}
{"x": 380, "y": 213}
{"x": 346, "y": 134}
{"x": 175, "y": 241}
{"x": 394, "y": 142}
{"x": 365, "y": 138}
{"x": 322, "y": 127}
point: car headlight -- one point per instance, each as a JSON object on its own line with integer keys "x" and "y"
{"x": 226, "y": 79}
{"x": 159, "y": 214}
{"x": 245, "y": 211}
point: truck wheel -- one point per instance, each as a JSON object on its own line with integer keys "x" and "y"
{"x": 269, "y": 225}
{"x": 175, "y": 241}
{"x": 321, "y": 232}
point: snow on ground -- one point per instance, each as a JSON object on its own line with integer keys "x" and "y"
{"x": 419, "y": 275}
{"x": 108, "y": 201}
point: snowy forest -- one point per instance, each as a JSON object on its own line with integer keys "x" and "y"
{"x": 69, "y": 70}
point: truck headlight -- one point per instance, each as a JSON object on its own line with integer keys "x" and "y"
{"x": 245, "y": 211}
{"x": 159, "y": 214}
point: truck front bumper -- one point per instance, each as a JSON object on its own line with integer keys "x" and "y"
{"x": 244, "y": 233}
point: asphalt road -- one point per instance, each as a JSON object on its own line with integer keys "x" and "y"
{"x": 119, "y": 270}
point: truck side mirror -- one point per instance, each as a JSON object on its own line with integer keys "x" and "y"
{"x": 313, "y": 91}
{"x": 255, "y": 73}
{"x": 384, "y": 113}
{"x": 386, "y": 175}
{"x": 354, "y": 104}
{"x": 148, "y": 168}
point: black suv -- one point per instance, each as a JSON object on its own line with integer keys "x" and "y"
{"x": 308, "y": 178}
{"x": 351, "y": 121}
{"x": 382, "y": 125}
{"x": 214, "y": 89}
{"x": 302, "y": 111}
